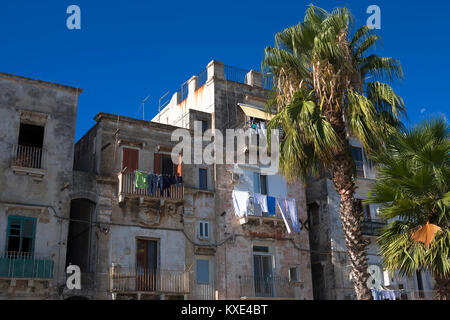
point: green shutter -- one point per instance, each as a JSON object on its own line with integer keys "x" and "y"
{"x": 21, "y": 227}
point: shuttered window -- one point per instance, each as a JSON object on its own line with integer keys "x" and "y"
{"x": 21, "y": 234}
{"x": 130, "y": 160}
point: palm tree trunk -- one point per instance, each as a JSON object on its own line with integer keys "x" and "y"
{"x": 343, "y": 170}
{"x": 442, "y": 287}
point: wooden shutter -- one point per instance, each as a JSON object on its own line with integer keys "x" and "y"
{"x": 157, "y": 163}
{"x": 130, "y": 159}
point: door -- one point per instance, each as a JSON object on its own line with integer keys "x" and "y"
{"x": 130, "y": 160}
{"x": 204, "y": 284}
{"x": 147, "y": 265}
{"x": 263, "y": 278}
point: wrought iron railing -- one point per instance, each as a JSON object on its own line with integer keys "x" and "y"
{"x": 28, "y": 157}
{"x": 204, "y": 291}
{"x": 127, "y": 187}
{"x": 183, "y": 92}
{"x": 202, "y": 77}
{"x": 148, "y": 280}
{"x": 235, "y": 74}
{"x": 25, "y": 265}
{"x": 275, "y": 287}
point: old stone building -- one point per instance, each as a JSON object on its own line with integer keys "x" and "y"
{"x": 36, "y": 160}
{"x": 133, "y": 242}
{"x": 330, "y": 265}
{"x": 253, "y": 256}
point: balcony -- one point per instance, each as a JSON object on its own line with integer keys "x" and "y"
{"x": 28, "y": 160}
{"x": 135, "y": 280}
{"x": 254, "y": 213}
{"x": 372, "y": 227}
{"x": 19, "y": 265}
{"x": 204, "y": 291}
{"x": 270, "y": 288}
{"x": 127, "y": 189}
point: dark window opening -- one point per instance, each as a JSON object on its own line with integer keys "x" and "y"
{"x": 358, "y": 159}
{"x": 263, "y": 184}
{"x": 204, "y": 125}
{"x": 167, "y": 165}
{"x": 31, "y": 135}
{"x": 293, "y": 274}
{"x": 203, "y": 179}
{"x": 29, "y": 150}
{"x": 261, "y": 249}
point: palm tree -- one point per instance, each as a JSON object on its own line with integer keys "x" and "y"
{"x": 327, "y": 88}
{"x": 414, "y": 177}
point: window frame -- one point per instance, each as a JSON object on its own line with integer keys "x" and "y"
{"x": 22, "y": 219}
{"x": 201, "y": 234}
{"x": 200, "y": 186}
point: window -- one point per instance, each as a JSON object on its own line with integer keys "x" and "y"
{"x": 204, "y": 125}
{"x": 203, "y": 178}
{"x": 293, "y": 273}
{"x": 20, "y": 235}
{"x": 163, "y": 164}
{"x": 167, "y": 165}
{"x": 130, "y": 160}
{"x": 358, "y": 159}
{"x": 261, "y": 249}
{"x": 260, "y": 183}
{"x": 31, "y": 135}
{"x": 29, "y": 148}
{"x": 262, "y": 271}
{"x": 203, "y": 230}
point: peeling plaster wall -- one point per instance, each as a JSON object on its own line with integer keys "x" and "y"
{"x": 233, "y": 253}
{"x": 42, "y": 197}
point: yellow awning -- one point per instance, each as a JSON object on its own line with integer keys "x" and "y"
{"x": 255, "y": 112}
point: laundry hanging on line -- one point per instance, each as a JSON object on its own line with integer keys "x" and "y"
{"x": 288, "y": 207}
{"x": 153, "y": 182}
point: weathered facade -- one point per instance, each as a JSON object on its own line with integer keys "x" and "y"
{"x": 223, "y": 97}
{"x": 36, "y": 159}
{"x": 330, "y": 266}
{"x": 133, "y": 230}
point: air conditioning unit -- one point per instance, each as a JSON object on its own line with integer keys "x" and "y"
{"x": 236, "y": 178}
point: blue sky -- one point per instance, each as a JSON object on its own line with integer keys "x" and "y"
{"x": 127, "y": 50}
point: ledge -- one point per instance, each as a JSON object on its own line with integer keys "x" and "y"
{"x": 36, "y": 174}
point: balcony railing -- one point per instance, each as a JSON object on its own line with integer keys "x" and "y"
{"x": 255, "y": 211}
{"x": 204, "y": 291}
{"x": 25, "y": 265}
{"x": 270, "y": 287}
{"x": 28, "y": 157}
{"x": 127, "y": 187}
{"x": 148, "y": 280}
{"x": 372, "y": 227}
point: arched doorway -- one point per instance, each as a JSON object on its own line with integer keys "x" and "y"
{"x": 81, "y": 239}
